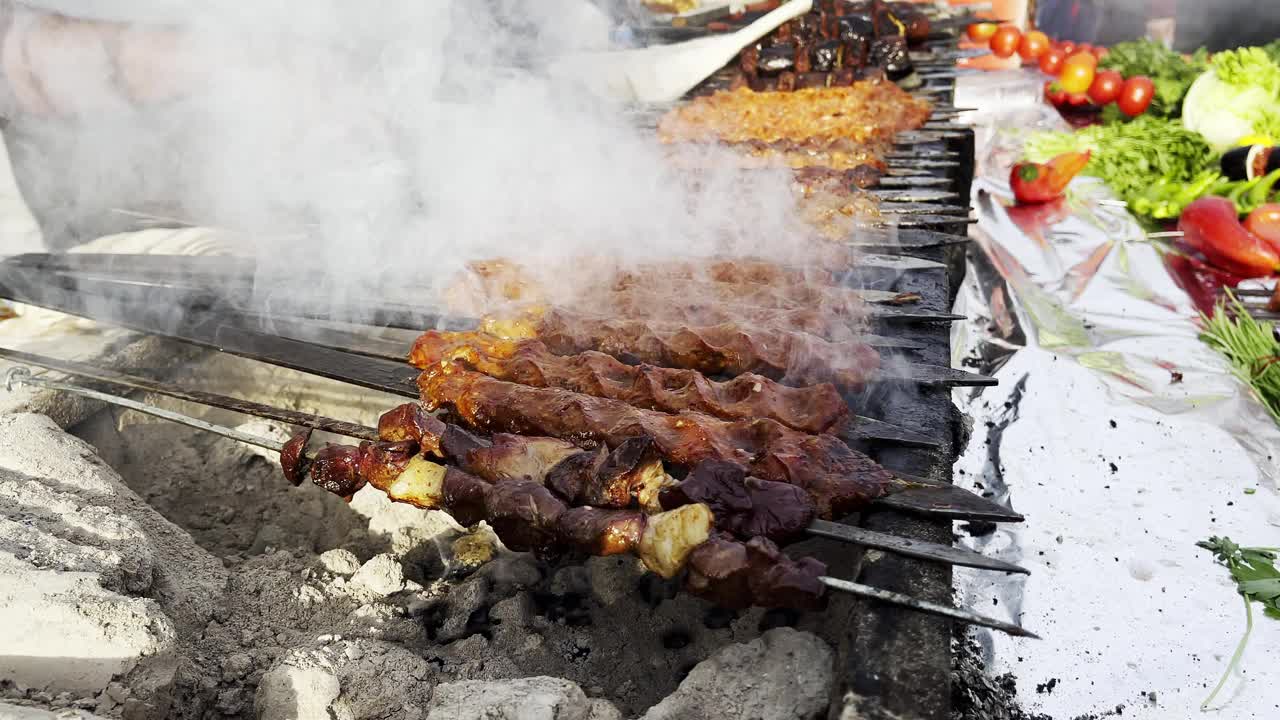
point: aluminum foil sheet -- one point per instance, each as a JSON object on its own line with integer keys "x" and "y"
{"x": 1123, "y": 439}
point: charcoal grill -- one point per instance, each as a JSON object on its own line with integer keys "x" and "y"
{"x": 893, "y": 661}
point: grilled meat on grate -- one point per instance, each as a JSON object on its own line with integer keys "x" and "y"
{"x": 838, "y": 478}
{"x": 813, "y": 409}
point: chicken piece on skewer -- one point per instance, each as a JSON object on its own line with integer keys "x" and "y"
{"x": 839, "y": 479}
{"x": 813, "y": 409}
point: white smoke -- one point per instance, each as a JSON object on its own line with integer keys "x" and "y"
{"x": 398, "y": 139}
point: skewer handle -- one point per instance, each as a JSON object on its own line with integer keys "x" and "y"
{"x": 19, "y": 376}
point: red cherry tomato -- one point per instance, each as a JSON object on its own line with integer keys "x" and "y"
{"x": 1067, "y": 47}
{"x": 1265, "y": 223}
{"x": 1100, "y": 52}
{"x": 1005, "y": 42}
{"x": 1033, "y": 45}
{"x": 1077, "y": 100}
{"x": 1051, "y": 62}
{"x": 1077, "y": 72}
{"x": 1135, "y": 95}
{"x": 982, "y": 32}
{"x": 1106, "y": 87}
{"x": 1054, "y": 93}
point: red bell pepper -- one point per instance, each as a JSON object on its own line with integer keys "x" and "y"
{"x": 1211, "y": 227}
{"x": 1038, "y": 183}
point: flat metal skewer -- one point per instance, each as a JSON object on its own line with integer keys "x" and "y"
{"x": 18, "y": 376}
{"x": 925, "y": 606}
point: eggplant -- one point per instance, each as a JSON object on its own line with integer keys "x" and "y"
{"x": 1250, "y": 162}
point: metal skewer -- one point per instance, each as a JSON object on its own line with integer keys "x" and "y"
{"x": 925, "y": 606}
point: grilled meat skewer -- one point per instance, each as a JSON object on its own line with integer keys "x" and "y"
{"x": 839, "y": 479}
{"x": 812, "y": 409}
{"x": 630, "y": 476}
{"x": 867, "y": 112}
{"x": 527, "y": 516}
{"x": 643, "y": 294}
{"x": 791, "y": 357}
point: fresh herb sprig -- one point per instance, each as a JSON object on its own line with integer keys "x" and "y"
{"x": 1252, "y": 348}
{"x": 1132, "y": 157}
{"x": 1257, "y": 580}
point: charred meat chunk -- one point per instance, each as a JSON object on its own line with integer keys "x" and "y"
{"x": 514, "y": 457}
{"x": 382, "y": 462}
{"x": 456, "y": 444}
{"x": 597, "y": 531}
{"x": 719, "y": 571}
{"x": 745, "y": 506}
{"x": 336, "y": 468}
{"x": 292, "y": 461}
{"x": 716, "y": 483}
{"x": 776, "y": 580}
{"x": 891, "y": 54}
{"x": 410, "y": 422}
{"x": 464, "y": 496}
{"x": 523, "y": 515}
{"x": 855, "y": 27}
{"x": 827, "y": 56}
{"x": 571, "y": 476}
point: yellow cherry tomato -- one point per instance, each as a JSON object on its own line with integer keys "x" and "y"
{"x": 1077, "y": 72}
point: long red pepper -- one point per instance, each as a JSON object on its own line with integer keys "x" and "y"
{"x": 1211, "y": 226}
